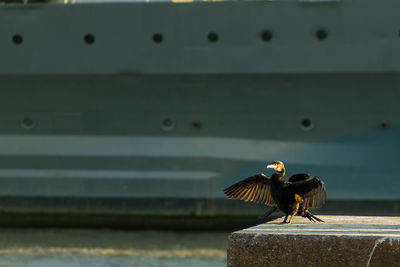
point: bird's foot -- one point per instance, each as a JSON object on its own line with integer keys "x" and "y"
{"x": 318, "y": 219}
{"x": 313, "y": 218}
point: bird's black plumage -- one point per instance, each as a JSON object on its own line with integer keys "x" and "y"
{"x": 293, "y": 197}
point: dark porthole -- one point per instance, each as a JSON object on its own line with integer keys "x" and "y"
{"x": 213, "y": 37}
{"x": 384, "y": 124}
{"x": 17, "y": 39}
{"x": 306, "y": 124}
{"x": 28, "y": 123}
{"x": 157, "y": 38}
{"x": 266, "y": 36}
{"x": 167, "y": 125}
{"x": 321, "y": 34}
{"x": 196, "y": 125}
{"x": 89, "y": 38}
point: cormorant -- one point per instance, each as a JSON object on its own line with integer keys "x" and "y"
{"x": 293, "y": 197}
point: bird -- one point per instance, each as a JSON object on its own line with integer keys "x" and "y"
{"x": 293, "y": 197}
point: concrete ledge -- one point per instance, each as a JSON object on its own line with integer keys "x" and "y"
{"x": 341, "y": 241}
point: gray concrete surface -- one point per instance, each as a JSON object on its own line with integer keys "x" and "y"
{"x": 75, "y": 248}
{"x": 341, "y": 241}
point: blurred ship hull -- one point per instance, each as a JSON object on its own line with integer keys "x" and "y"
{"x": 99, "y": 115}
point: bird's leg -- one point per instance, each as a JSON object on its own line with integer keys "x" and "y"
{"x": 263, "y": 217}
{"x": 284, "y": 221}
{"x": 291, "y": 218}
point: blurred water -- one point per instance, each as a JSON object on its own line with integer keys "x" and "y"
{"x": 73, "y": 248}
{"x": 99, "y": 261}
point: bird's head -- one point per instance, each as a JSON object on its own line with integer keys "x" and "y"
{"x": 276, "y": 165}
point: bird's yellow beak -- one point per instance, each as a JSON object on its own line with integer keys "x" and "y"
{"x": 271, "y": 166}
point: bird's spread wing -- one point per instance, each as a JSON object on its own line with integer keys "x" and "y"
{"x": 300, "y": 177}
{"x": 255, "y": 189}
{"x": 311, "y": 189}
